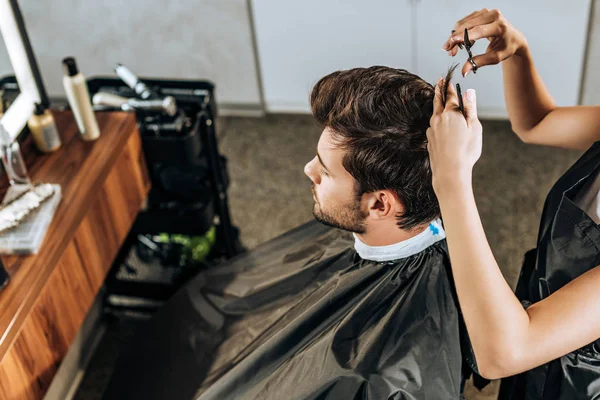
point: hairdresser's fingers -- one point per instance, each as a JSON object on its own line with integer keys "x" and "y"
{"x": 450, "y": 43}
{"x": 438, "y": 105}
{"x": 494, "y": 29}
{"x": 470, "y": 104}
{"x": 453, "y": 51}
{"x": 458, "y": 34}
{"x": 451, "y": 99}
{"x": 489, "y": 17}
{"x": 454, "y": 41}
{"x": 481, "y": 60}
{"x": 458, "y": 27}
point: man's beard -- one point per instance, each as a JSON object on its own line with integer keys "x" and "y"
{"x": 350, "y": 218}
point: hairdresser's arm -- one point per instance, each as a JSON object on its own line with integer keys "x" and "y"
{"x": 534, "y": 116}
{"x": 506, "y": 338}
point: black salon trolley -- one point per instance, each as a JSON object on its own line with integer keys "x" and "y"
{"x": 188, "y": 196}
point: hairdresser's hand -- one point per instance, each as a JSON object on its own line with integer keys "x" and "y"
{"x": 454, "y": 142}
{"x": 505, "y": 39}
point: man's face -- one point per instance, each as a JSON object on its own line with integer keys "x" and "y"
{"x": 337, "y": 202}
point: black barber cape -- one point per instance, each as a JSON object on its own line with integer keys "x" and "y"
{"x": 303, "y": 317}
{"x": 568, "y": 245}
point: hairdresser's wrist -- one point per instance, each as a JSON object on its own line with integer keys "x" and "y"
{"x": 523, "y": 48}
{"x": 452, "y": 184}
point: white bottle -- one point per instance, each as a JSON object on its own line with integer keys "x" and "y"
{"x": 79, "y": 100}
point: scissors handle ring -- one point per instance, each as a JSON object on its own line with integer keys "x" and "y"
{"x": 474, "y": 65}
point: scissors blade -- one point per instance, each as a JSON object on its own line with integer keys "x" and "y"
{"x": 461, "y": 104}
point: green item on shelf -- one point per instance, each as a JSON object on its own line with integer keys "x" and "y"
{"x": 194, "y": 248}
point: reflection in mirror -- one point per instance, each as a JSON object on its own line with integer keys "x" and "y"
{"x": 24, "y": 66}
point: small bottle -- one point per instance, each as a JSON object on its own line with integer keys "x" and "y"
{"x": 1, "y": 102}
{"x": 3, "y": 277}
{"x": 79, "y": 100}
{"x": 43, "y": 129}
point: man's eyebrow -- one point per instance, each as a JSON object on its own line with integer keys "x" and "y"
{"x": 322, "y": 163}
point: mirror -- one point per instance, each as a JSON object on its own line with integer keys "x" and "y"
{"x": 25, "y": 68}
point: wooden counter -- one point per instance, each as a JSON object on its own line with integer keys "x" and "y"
{"x": 103, "y": 186}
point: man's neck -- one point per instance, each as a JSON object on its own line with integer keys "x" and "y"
{"x": 388, "y": 234}
{"x": 383, "y": 245}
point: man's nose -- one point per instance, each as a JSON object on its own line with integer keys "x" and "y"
{"x": 309, "y": 170}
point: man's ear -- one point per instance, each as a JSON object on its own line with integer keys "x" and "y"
{"x": 382, "y": 204}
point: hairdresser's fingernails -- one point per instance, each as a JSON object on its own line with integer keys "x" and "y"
{"x": 466, "y": 73}
{"x": 471, "y": 94}
{"x": 445, "y": 46}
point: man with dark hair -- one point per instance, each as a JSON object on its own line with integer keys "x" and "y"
{"x": 372, "y": 164}
{"x": 312, "y": 315}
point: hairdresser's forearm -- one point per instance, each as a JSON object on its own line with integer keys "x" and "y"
{"x": 495, "y": 319}
{"x": 527, "y": 99}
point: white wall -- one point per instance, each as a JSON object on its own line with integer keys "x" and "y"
{"x": 211, "y": 39}
{"x": 196, "y": 39}
{"x": 299, "y": 41}
{"x": 591, "y": 78}
{"x": 5, "y": 67}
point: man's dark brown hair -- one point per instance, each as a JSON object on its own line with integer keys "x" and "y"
{"x": 380, "y": 116}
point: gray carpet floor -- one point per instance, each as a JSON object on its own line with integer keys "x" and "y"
{"x": 269, "y": 195}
